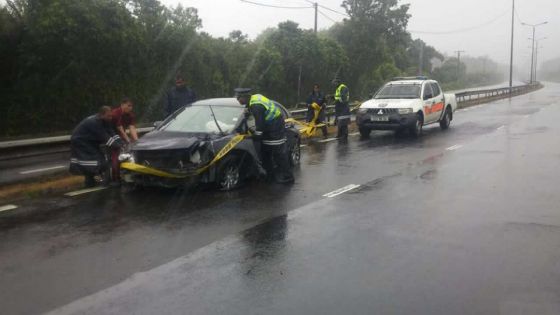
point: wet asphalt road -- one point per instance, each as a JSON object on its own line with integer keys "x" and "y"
{"x": 458, "y": 222}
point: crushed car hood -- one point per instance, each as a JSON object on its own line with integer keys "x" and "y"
{"x": 159, "y": 140}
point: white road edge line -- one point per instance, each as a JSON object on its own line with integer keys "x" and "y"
{"x": 354, "y": 134}
{"x": 455, "y": 147}
{"x": 84, "y": 191}
{"x": 42, "y": 169}
{"x": 327, "y": 140}
{"x": 8, "y": 207}
{"x": 501, "y": 127}
{"x": 340, "y": 191}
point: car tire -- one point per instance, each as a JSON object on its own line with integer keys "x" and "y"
{"x": 446, "y": 120}
{"x": 295, "y": 153}
{"x": 364, "y": 132}
{"x": 416, "y": 130}
{"x": 229, "y": 175}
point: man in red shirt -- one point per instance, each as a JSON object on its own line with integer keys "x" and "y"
{"x": 123, "y": 119}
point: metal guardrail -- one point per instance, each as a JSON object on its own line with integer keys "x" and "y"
{"x": 484, "y": 95}
{"x": 462, "y": 98}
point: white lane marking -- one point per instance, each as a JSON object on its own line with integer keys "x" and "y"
{"x": 501, "y": 127}
{"x": 340, "y": 191}
{"x": 8, "y": 207}
{"x": 42, "y": 169}
{"x": 354, "y": 134}
{"x": 84, "y": 191}
{"x": 455, "y": 147}
{"x": 327, "y": 140}
{"x": 303, "y": 145}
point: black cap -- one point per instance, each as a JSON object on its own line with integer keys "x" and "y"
{"x": 242, "y": 92}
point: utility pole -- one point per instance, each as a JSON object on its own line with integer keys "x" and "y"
{"x": 459, "y": 52}
{"x": 534, "y": 26}
{"x": 421, "y": 60}
{"x": 511, "y": 51}
{"x": 316, "y": 7}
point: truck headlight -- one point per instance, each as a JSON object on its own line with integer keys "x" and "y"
{"x": 404, "y": 111}
{"x": 195, "y": 157}
{"x": 362, "y": 110}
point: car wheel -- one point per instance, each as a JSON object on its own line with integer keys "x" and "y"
{"x": 295, "y": 153}
{"x": 229, "y": 173}
{"x": 416, "y": 130}
{"x": 365, "y": 132}
{"x": 446, "y": 120}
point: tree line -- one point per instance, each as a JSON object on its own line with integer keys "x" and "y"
{"x": 61, "y": 59}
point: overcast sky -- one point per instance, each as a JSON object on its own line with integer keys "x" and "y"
{"x": 488, "y": 21}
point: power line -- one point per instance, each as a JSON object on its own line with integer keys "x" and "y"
{"x": 273, "y": 6}
{"x": 334, "y": 11}
{"x": 327, "y": 17}
{"x": 494, "y": 20}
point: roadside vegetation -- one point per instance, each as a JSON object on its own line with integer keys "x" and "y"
{"x": 61, "y": 59}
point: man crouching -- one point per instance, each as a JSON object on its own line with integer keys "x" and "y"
{"x": 87, "y": 157}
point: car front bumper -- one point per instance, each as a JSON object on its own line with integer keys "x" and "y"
{"x": 394, "y": 121}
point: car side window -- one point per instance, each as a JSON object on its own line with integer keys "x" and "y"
{"x": 436, "y": 89}
{"x": 428, "y": 93}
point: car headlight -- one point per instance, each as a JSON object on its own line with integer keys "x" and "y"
{"x": 195, "y": 157}
{"x": 362, "y": 110}
{"x": 126, "y": 157}
{"x": 404, "y": 111}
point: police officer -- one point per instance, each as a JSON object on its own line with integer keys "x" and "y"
{"x": 269, "y": 134}
{"x": 87, "y": 158}
{"x": 342, "y": 108}
{"x": 317, "y": 97}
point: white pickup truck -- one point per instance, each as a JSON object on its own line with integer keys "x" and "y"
{"x": 407, "y": 103}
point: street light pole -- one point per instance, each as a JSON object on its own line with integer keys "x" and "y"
{"x": 511, "y": 51}
{"x": 534, "y": 26}
{"x": 537, "y": 56}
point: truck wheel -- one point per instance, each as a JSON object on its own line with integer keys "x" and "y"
{"x": 416, "y": 130}
{"x": 446, "y": 120}
{"x": 365, "y": 132}
{"x": 229, "y": 173}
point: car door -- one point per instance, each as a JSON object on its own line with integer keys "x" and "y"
{"x": 428, "y": 102}
{"x": 438, "y": 100}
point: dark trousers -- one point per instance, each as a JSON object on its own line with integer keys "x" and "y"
{"x": 342, "y": 111}
{"x": 342, "y": 126}
{"x": 275, "y": 161}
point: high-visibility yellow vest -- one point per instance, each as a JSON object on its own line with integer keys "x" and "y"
{"x": 338, "y": 94}
{"x": 272, "y": 111}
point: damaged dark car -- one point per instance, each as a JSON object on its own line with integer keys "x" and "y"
{"x": 181, "y": 151}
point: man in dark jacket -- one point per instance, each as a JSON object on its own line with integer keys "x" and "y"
{"x": 318, "y": 98}
{"x": 178, "y": 96}
{"x": 269, "y": 135}
{"x": 87, "y": 157}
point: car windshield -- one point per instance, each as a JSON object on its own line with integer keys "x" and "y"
{"x": 393, "y": 91}
{"x": 200, "y": 119}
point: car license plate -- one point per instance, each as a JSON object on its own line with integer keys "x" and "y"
{"x": 380, "y": 118}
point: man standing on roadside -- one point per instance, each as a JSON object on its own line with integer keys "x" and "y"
{"x": 178, "y": 96}
{"x": 87, "y": 158}
{"x": 342, "y": 108}
{"x": 123, "y": 119}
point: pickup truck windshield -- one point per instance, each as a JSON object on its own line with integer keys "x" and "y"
{"x": 399, "y": 91}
